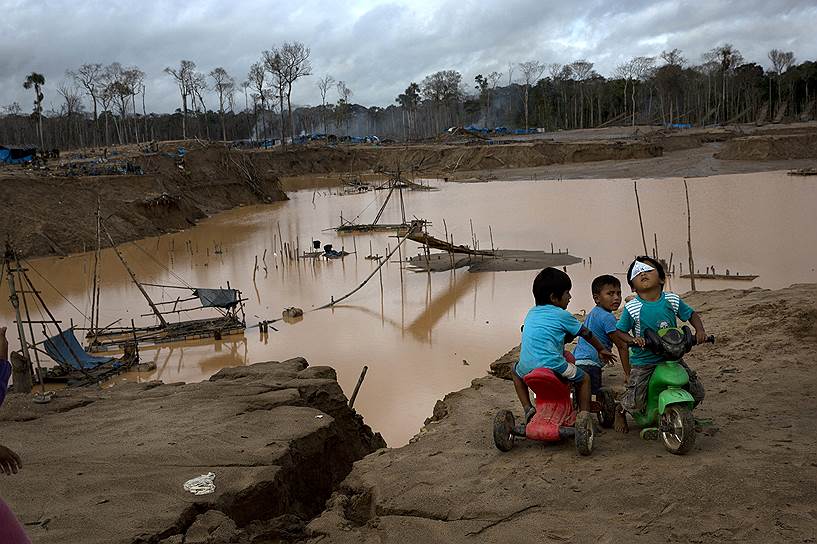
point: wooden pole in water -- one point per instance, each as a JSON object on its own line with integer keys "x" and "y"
{"x": 491, "y": 234}
{"x": 640, "y": 219}
{"x": 655, "y": 246}
{"x": 357, "y": 387}
{"x": 370, "y": 276}
{"x": 133, "y": 277}
{"x": 450, "y": 253}
{"x": 281, "y": 241}
{"x": 400, "y": 258}
{"x": 689, "y": 239}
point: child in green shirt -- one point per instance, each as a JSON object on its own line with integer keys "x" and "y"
{"x": 654, "y": 309}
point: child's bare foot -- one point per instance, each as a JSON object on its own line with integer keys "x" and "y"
{"x": 620, "y": 422}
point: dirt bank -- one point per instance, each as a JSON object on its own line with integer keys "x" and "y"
{"x": 749, "y": 478}
{"x": 771, "y": 147}
{"x": 442, "y": 160}
{"x": 48, "y": 212}
{"x": 107, "y": 466}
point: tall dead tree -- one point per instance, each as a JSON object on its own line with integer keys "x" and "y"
{"x": 184, "y": 79}
{"x": 581, "y": 71}
{"x": 224, "y": 85}
{"x": 275, "y": 64}
{"x": 258, "y": 81}
{"x": 199, "y": 87}
{"x": 295, "y": 57}
{"x": 344, "y": 111}
{"x": 136, "y": 82}
{"x": 531, "y": 70}
{"x": 37, "y": 82}
{"x": 324, "y": 84}
{"x": 73, "y": 106}
{"x": 781, "y": 61}
{"x": 89, "y": 77}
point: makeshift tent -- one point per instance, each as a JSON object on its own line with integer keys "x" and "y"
{"x": 65, "y": 349}
{"x": 14, "y": 155}
{"x": 217, "y": 298}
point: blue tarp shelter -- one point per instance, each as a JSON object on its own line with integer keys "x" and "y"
{"x": 16, "y": 155}
{"x": 217, "y": 298}
{"x": 65, "y": 349}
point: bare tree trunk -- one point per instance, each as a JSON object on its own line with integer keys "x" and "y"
{"x": 184, "y": 117}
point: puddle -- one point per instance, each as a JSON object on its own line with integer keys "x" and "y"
{"x": 423, "y": 335}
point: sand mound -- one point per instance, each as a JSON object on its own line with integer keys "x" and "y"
{"x": 748, "y": 478}
{"x": 771, "y": 147}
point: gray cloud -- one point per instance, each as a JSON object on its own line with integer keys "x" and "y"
{"x": 378, "y": 47}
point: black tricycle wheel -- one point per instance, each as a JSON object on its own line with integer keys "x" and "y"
{"x": 607, "y": 415}
{"x": 503, "y": 430}
{"x": 585, "y": 436}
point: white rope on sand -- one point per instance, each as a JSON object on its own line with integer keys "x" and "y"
{"x": 201, "y": 485}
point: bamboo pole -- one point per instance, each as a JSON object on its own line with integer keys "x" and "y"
{"x": 640, "y": 219}
{"x": 689, "y": 239}
{"x": 281, "y": 242}
{"x": 400, "y": 258}
{"x": 450, "y": 253}
{"x": 357, "y": 387}
{"x": 370, "y": 276}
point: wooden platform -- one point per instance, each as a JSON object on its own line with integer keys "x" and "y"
{"x": 739, "y": 277}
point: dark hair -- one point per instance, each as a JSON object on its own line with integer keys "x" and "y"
{"x": 603, "y": 280}
{"x": 650, "y": 261}
{"x": 550, "y": 281}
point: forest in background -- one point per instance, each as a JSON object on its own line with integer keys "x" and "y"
{"x": 104, "y": 105}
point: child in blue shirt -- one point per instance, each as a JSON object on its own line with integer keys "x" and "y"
{"x": 601, "y": 322}
{"x": 547, "y": 327}
{"x": 654, "y": 309}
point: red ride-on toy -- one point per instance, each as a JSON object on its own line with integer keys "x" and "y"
{"x": 555, "y": 417}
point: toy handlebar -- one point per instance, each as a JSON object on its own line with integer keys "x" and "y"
{"x": 709, "y": 339}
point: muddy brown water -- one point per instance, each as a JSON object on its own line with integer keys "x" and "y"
{"x": 429, "y": 334}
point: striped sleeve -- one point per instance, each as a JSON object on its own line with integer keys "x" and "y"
{"x": 681, "y": 308}
{"x": 625, "y": 322}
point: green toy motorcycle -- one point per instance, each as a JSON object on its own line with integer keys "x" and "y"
{"x": 668, "y": 412}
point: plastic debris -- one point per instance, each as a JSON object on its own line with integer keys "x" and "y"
{"x": 201, "y": 485}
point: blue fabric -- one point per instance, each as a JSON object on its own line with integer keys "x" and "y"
{"x": 543, "y": 338}
{"x": 16, "y": 155}
{"x": 217, "y": 298}
{"x": 601, "y": 323}
{"x": 640, "y": 314}
{"x": 65, "y": 349}
{"x": 594, "y": 372}
{"x": 5, "y": 374}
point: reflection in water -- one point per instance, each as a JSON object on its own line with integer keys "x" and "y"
{"x": 414, "y": 333}
{"x": 441, "y": 305}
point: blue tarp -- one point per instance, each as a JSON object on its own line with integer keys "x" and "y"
{"x": 65, "y": 349}
{"x": 217, "y": 298}
{"x": 16, "y": 156}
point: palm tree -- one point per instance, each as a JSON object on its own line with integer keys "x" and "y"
{"x": 37, "y": 81}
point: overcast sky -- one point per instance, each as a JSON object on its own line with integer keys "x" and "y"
{"x": 378, "y": 47}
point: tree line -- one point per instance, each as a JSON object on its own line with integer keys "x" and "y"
{"x": 105, "y": 104}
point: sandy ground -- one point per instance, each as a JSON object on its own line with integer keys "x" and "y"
{"x": 688, "y": 163}
{"x": 750, "y": 477}
{"x": 105, "y": 466}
